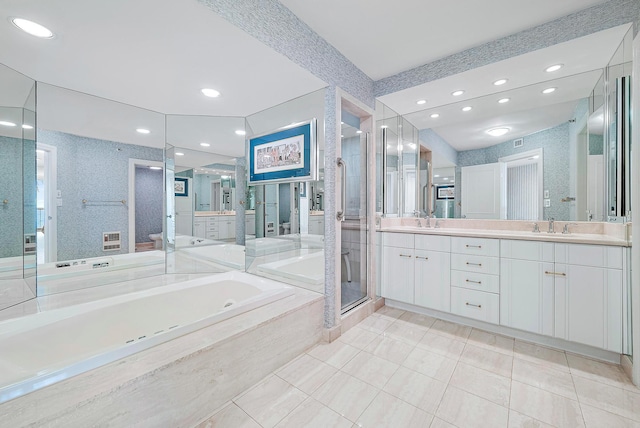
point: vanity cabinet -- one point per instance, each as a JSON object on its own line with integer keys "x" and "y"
{"x": 527, "y": 287}
{"x": 432, "y": 272}
{"x": 226, "y": 227}
{"x": 212, "y": 228}
{"x": 200, "y": 227}
{"x": 316, "y": 224}
{"x": 398, "y": 270}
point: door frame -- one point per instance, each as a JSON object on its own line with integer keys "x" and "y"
{"x": 132, "y": 196}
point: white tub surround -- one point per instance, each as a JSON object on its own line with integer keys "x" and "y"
{"x": 568, "y": 291}
{"x": 306, "y": 270}
{"x": 225, "y": 256}
{"x": 48, "y": 347}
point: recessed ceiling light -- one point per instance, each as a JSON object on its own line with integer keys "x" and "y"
{"x": 32, "y": 28}
{"x": 205, "y": 144}
{"x": 5, "y": 123}
{"x": 497, "y": 132}
{"x": 420, "y": 102}
{"x": 341, "y": 123}
{"x": 211, "y": 93}
{"x": 457, "y": 93}
{"x": 553, "y": 68}
{"x": 143, "y": 131}
{"x": 435, "y": 115}
{"x": 548, "y": 90}
{"x": 445, "y": 178}
{"x": 500, "y": 82}
{"x": 437, "y": 175}
{"x": 467, "y": 108}
{"x": 155, "y": 167}
{"x": 384, "y": 126}
{"x": 358, "y": 132}
{"x": 179, "y": 154}
{"x": 25, "y": 126}
{"x": 504, "y": 100}
{"x": 241, "y": 132}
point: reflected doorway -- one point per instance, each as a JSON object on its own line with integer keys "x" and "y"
{"x": 46, "y": 201}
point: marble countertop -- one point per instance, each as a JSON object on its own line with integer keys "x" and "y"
{"x": 213, "y": 213}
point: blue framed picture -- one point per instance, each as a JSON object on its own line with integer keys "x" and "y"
{"x": 288, "y": 154}
{"x": 181, "y": 186}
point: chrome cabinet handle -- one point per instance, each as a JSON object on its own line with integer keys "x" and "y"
{"x": 343, "y": 165}
{"x": 473, "y": 246}
{"x": 546, "y": 272}
{"x": 418, "y": 257}
{"x": 471, "y": 304}
{"x": 475, "y": 282}
{"x": 474, "y": 264}
{"x": 405, "y": 255}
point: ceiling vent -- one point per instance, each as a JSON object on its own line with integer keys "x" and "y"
{"x": 111, "y": 241}
{"x": 518, "y": 143}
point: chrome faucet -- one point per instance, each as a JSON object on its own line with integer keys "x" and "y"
{"x": 565, "y": 230}
{"x": 551, "y": 230}
{"x": 536, "y": 228}
{"x": 418, "y": 221}
{"x": 437, "y": 226}
{"x": 428, "y": 221}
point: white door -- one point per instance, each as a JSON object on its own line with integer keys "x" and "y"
{"x": 481, "y": 191}
{"x": 595, "y": 187}
{"x": 184, "y": 211}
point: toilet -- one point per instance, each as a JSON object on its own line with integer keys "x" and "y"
{"x": 286, "y": 228}
{"x": 157, "y": 240}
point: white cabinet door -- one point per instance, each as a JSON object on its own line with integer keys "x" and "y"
{"x": 588, "y": 306}
{"x": 250, "y": 224}
{"x": 432, "y": 279}
{"x": 526, "y": 295}
{"x": 397, "y": 274}
{"x": 227, "y": 228}
{"x": 481, "y": 196}
{"x": 200, "y": 228}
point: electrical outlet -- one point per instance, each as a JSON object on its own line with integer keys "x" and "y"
{"x": 547, "y": 203}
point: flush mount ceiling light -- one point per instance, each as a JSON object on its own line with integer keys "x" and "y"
{"x": 500, "y": 82}
{"x": 241, "y": 132}
{"x": 25, "y": 126}
{"x": 434, "y": 116}
{"x": 5, "y": 123}
{"x": 553, "y": 68}
{"x": 32, "y": 28}
{"x": 467, "y": 108}
{"x": 143, "y": 131}
{"x": 211, "y": 93}
{"x": 179, "y": 154}
{"x": 420, "y": 102}
{"x": 549, "y": 90}
{"x": 497, "y": 132}
{"x": 205, "y": 144}
{"x": 457, "y": 93}
{"x": 504, "y": 100}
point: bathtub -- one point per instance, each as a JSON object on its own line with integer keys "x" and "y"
{"x": 307, "y": 269}
{"x": 183, "y": 241}
{"x": 226, "y": 256}
{"x": 70, "y": 275}
{"x": 47, "y": 347}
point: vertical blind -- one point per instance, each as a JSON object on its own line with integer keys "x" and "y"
{"x": 522, "y": 192}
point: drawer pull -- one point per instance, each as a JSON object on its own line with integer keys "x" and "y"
{"x": 475, "y": 306}
{"x": 555, "y": 273}
{"x": 474, "y": 264}
{"x": 473, "y": 246}
{"x": 475, "y": 282}
{"x": 405, "y": 255}
{"x": 418, "y": 257}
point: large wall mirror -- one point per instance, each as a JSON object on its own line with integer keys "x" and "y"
{"x": 542, "y": 143}
{"x": 17, "y": 197}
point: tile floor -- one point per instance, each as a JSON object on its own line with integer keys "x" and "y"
{"x": 400, "y": 369}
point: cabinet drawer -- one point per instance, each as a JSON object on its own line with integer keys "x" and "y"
{"x": 475, "y": 304}
{"x": 479, "y": 246}
{"x": 475, "y": 281}
{"x": 433, "y": 243}
{"x": 478, "y": 264}
{"x": 212, "y": 220}
{"x": 403, "y": 240}
{"x": 212, "y": 227}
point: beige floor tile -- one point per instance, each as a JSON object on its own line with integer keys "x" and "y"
{"x": 442, "y": 345}
{"x": 430, "y": 364}
{"x": 439, "y": 423}
{"x": 482, "y": 383}
{"x": 551, "y": 380}
{"x": 596, "y": 418}
{"x": 417, "y": 320}
{"x": 451, "y": 330}
{"x": 231, "y": 416}
{"x": 389, "y": 349}
{"x": 390, "y": 312}
{"x": 487, "y": 359}
{"x": 611, "y": 374}
{"x": 544, "y": 406}
{"x": 494, "y": 342}
{"x": 358, "y": 337}
{"x": 615, "y": 400}
{"x": 416, "y": 389}
{"x": 391, "y": 412}
{"x": 313, "y": 414}
{"x": 518, "y": 420}
{"x": 336, "y": 353}
{"x": 544, "y": 356}
{"x": 270, "y": 401}
{"x": 463, "y": 409}
{"x": 405, "y": 332}
{"x": 306, "y": 373}
{"x": 376, "y": 323}
{"x": 346, "y": 395}
{"x": 374, "y": 370}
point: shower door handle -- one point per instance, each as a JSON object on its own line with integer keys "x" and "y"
{"x": 340, "y": 214}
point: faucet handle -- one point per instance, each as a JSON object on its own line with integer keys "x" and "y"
{"x": 536, "y": 228}
{"x": 565, "y": 229}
